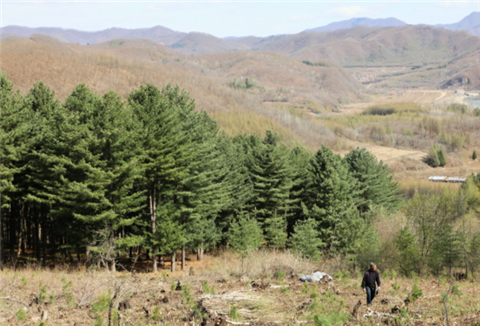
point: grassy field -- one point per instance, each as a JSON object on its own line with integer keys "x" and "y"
{"x": 261, "y": 290}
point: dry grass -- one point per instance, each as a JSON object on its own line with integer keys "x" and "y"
{"x": 135, "y": 62}
{"x": 409, "y": 187}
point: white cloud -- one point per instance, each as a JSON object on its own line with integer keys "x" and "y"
{"x": 348, "y": 11}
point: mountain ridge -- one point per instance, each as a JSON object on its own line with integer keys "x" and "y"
{"x": 165, "y": 35}
{"x": 368, "y": 22}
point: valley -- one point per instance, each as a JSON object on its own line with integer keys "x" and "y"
{"x": 157, "y": 177}
{"x": 252, "y": 91}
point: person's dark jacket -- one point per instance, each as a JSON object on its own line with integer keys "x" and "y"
{"x": 370, "y": 278}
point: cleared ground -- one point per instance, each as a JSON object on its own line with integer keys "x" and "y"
{"x": 263, "y": 290}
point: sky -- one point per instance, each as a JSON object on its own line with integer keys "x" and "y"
{"x": 227, "y": 17}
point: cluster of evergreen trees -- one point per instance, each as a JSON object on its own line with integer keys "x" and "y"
{"x": 151, "y": 172}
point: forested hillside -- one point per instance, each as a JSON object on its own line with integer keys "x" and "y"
{"x": 152, "y": 172}
{"x": 95, "y": 175}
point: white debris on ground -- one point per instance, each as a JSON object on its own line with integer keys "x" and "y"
{"x": 375, "y": 314}
{"x": 315, "y": 277}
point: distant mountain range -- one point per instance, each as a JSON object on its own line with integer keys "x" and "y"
{"x": 382, "y": 22}
{"x": 158, "y": 34}
{"x": 180, "y": 40}
{"x": 356, "y": 41}
{"x": 471, "y": 24}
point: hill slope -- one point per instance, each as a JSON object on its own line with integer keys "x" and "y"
{"x": 360, "y": 45}
{"x": 284, "y": 88}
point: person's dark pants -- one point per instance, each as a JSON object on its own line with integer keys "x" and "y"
{"x": 370, "y": 294}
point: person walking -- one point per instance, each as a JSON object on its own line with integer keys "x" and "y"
{"x": 371, "y": 277}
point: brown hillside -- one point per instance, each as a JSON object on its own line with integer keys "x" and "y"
{"x": 123, "y": 65}
{"x": 363, "y": 45}
{"x": 205, "y": 43}
{"x": 465, "y": 71}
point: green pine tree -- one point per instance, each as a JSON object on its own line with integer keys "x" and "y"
{"x": 207, "y": 184}
{"x": 409, "y": 256}
{"x": 245, "y": 235}
{"x": 166, "y": 149}
{"x": 275, "y": 231}
{"x": 237, "y": 181}
{"x": 43, "y": 182}
{"x": 299, "y": 160}
{"x": 271, "y": 177}
{"x": 374, "y": 179}
{"x": 12, "y": 143}
{"x": 474, "y": 253}
{"x": 331, "y": 198}
{"x": 306, "y": 239}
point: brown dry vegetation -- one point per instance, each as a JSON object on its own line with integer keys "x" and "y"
{"x": 360, "y": 45}
{"x": 290, "y": 97}
{"x": 124, "y": 65}
{"x": 265, "y": 292}
{"x": 402, "y": 133}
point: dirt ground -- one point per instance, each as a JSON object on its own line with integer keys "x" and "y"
{"x": 217, "y": 292}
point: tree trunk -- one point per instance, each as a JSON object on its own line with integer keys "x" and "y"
{"x": 44, "y": 244}
{"x": 153, "y": 219}
{"x": 87, "y": 251}
{"x": 12, "y": 227}
{"x": 1, "y": 238}
{"x": 183, "y": 257}
{"x": 200, "y": 253}
{"x": 174, "y": 256}
{"x": 113, "y": 261}
{"x": 37, "y": 238}
{"x": 465, "y": 254}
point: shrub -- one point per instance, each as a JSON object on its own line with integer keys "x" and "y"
{"x": 331, "y": 318}
{"x": 474, "y": 155}
{"x": 187, "y": 297}
{"x": 207, "y": 289}
{"x": 416, "y": 293}
{"x": 21, "y": 314}
{"x": 156, "y": 313}
{"x": 395, "y": 286}
{"x": 457, "y": 107}
{"x": 247, "y": 83}
{"x": 279, "y": 275}
{"x": 456, "y": 290}
{"x": 305, "y": 239}
{"x": 391, "y": 108}
{"x": 318, "y": 64}
{"x": 436, "y": 156}
{"x": 233, "y": 313}
{"x": 408, "y": 251}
